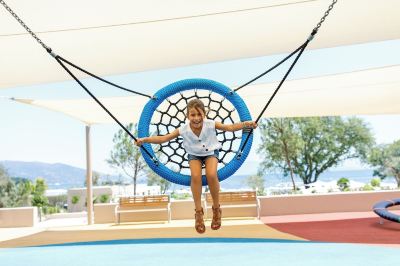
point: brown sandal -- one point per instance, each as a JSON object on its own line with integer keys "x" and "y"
{"x": 199, "y": 221}
{"x": 216, "y": 220}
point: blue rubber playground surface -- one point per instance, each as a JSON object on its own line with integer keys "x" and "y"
{"x": 201, "y": 251}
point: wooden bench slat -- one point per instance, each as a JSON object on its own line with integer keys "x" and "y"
{"x": 141, "y": 210}
{"x": 144, "y": 201}
{"x": 143, "y": 204}
{"x": 133, "y": 204}
{"x": 236, "y": 206}
{"x": 236, "y": 199}
{"x": 234, "y": 196}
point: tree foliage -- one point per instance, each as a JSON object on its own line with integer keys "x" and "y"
{"x": 39, "y": 199}
{"x": 20, "y": 192}
{"x": 386, "y": 159}
{"x": 343, "y": 184}
{"x": 309, "y": 146}
{"x": 24, "y": 188}
{"x": 126, "y": 156}
{"x": 5, "y": 187}
{"x": 14, "y": 192}
{"x": 286, "y": 146}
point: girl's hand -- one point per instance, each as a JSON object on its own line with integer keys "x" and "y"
{"x": 139, "y": 142}
{"x": 249, "y": 124}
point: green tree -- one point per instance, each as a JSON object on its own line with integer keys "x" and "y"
{"x": 4, "y": 177}
{"x": 343, "y": 184}
{"x": 375, "y": 182}
{"x": 312, "y": 144}
{"x": 126, "y": 155}
{"x": 4, "y": 186}
{"x": 39, "y": 199}
{"x": 386, "y": 159}
{"x": 14, "y": 192}
{"x": 286, "y": 144}
{"x": 256, "y": 182}
{"x": 23, "y": 192}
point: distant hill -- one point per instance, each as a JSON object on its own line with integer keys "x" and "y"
{"x": 64, "y": 176}
{"x": 57, "y": 175}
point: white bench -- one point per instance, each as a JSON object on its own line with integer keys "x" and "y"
{"x": 236, "y": 199}
{"x": 152, "y": 203}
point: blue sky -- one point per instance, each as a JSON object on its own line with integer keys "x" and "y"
{"x": 32, "y": 134}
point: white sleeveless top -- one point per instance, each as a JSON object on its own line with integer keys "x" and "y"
{"x": 201, "y": 145}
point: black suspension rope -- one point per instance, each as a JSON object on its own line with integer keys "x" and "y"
{"x": 60, "y": 60}
{"x": 269, "y": 70}
{"x": 99, "y": 78}
{"x": 300, "y": 51}
{"x": 303, "y": 47}
{"x": 315, "y": 30}
{"x": 49, "y": 50}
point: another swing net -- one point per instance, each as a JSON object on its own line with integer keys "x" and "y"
{"x": 171, "y": 114}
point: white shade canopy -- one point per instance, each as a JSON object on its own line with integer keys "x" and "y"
{"x": 371, "y": 91}
{"x": 365, "y": 92}
{"x": 108, "y": 38}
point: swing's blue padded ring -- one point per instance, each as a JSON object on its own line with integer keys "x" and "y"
{"x": 183, "y": 85}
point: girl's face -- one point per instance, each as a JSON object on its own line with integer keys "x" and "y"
{"x": 196, "y": 117}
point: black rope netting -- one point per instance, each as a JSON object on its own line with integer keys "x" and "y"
{"x": 171, "y": 114}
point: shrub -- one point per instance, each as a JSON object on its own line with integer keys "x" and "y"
{"x": 50, "y": 209}
{"x": 376, "y": 182}
{"x": 75, "y": 199}
{"x": 343, "y": 184}
{"x": 181, "y": 196}
{"x": 367, "y": 187}
{"x": 104, "y": 198}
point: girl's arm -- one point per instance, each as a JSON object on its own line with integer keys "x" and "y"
{"x": 158, "y": 139}
{"x": 235, "y": 126}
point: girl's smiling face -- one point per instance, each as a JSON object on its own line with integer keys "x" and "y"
{"x": 196, "y": 117}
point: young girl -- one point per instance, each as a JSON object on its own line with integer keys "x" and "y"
{"x": 201, "y": 143}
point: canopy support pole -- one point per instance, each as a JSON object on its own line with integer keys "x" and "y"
{"x": 89, "y": 188}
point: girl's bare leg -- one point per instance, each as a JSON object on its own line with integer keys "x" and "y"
{"x": 212, "y": 179}
{"x": 213, "y": 184}
{"x": 195, "y": 183}
{"x": 196, "y": 186}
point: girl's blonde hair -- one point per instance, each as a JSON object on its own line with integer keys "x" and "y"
{"x": 197, "y": 104}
